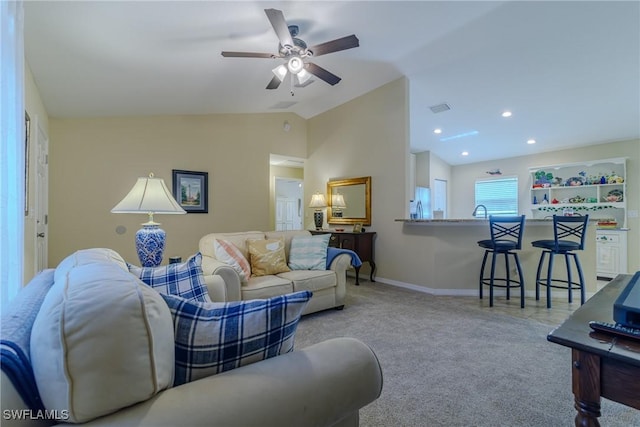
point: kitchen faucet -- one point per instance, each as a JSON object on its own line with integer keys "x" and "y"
{"x": 476, "y": 210}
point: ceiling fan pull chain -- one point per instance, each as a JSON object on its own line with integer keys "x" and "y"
{"x": 291, "y": 83}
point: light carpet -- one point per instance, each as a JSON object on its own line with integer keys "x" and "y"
{"x": 449, "y": 361}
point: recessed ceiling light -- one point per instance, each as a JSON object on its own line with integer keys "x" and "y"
{"x": 465, "y": 153}
{"x": 506, "y": 114}
{"x": 531, "y": 141}
{"x": 438, "y": 131}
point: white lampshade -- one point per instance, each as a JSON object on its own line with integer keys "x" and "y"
{"x": 303, "y": 76}
{"x": 149, "y": 196}
{"x": 337, "y": 201}
{"x": 318, "y": 201}
{"x": 280, "y": 72}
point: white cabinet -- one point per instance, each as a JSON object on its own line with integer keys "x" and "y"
{"x": 611, "y": 253}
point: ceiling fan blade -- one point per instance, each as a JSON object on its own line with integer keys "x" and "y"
{"x": 274, "y": 83}
{"x": 323, "y": 74}
{"x": 227, "y": 54}
{"x": 280, "y": 26}
{"x": 336, "y": 45}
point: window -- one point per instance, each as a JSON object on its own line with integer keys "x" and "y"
{"x": 500, "y": 196}
{"x": 12, "y": 149}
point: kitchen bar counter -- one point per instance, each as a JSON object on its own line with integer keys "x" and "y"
{"x": 447, "y": 256}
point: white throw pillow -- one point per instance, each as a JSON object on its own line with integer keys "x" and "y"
{"x": 103, "y": 340}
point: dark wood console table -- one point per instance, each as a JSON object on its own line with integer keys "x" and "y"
{"x": 360, "y": 243}
{"x": 602, "y": 364}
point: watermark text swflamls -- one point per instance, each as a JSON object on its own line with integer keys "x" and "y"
{"x": 40, "y": 414}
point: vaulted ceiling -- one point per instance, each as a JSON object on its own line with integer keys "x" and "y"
{"x": 568, "y": 71}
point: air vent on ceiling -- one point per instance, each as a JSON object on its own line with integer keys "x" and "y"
{"x": 283, "y": 105}
{"x": 440, "y": 108}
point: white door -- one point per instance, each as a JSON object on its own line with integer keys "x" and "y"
{"x": 439, "y": 198}
{"x": 41, "y": 196}
{"x": 289, "y": 209}
{"x": 287, "y": 216}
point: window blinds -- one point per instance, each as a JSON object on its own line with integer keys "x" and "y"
{"x": 500, "y": 196}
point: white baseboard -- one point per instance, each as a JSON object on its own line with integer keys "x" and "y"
{"x": 555, "y": 294}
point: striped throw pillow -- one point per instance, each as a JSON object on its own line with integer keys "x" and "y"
{"x": 182, "y": 279}
{"x": 228, "y": 253}
{"x": 211, "y": 338}
{"x": 309, "y": 252}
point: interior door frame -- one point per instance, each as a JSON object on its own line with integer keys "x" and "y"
{"x": 41, "y": 196}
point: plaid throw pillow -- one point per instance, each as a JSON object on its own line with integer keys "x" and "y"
{"x": 211, "y": 338}
{"x": 182, "y": 279}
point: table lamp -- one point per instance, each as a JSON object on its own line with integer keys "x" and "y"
{"x": 149, "y": 196}
{"x": 318, "y": 203}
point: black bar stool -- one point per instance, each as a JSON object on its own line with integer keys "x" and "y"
{"x": 506, "y": 238}
{"x": 569, "y": 233}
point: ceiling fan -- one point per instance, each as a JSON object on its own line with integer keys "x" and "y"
{"x": 295, "y": 51}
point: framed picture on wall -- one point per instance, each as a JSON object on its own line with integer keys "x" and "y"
{"x": 191, "y": 190}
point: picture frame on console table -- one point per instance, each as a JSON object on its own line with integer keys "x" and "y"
{"x": 357, "y": 227}
{"x": 191, "y": 190}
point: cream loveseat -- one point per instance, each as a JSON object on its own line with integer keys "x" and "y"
{"x": 328, "y": 285}
{"x": 89, "y": 343}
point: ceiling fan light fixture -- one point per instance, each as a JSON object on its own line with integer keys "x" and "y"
{"x": 295, "y": 65}
{"x": 303, "y": 76}
{"x": 280, "y": 72}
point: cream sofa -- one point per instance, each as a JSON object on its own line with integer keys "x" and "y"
{"x": 111, "y": 363}
{"x": 328, "y": 286}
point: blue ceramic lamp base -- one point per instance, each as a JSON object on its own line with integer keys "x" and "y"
{"x": 150, "y": 241}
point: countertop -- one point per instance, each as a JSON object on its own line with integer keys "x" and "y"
{"x": 471, "y": 221}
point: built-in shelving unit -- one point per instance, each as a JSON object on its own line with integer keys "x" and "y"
{"x": 597, "y": 188}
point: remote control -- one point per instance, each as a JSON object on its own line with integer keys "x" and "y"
{"x": 615, "y": 328}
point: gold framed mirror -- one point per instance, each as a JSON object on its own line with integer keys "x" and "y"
{"x": 349, "y": 201}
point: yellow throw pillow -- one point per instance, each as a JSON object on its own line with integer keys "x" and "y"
{"x": 267, "y": 256}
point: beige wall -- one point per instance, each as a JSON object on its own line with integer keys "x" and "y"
{"x": 95, "y": 162}
{"x": 367, "y": 136}
{"x": 38, "y": 115}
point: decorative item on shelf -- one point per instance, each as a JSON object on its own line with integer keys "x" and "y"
{"x": 557, "y": 181}
{"x": 614, "y": 196}
{"x": 603, "y": 180}
{"x": 545, "y": 200}
{"x": 555, "y": 201}
{"x": 337, "y": 205}
{"x": 318, "y": 202}
{"x": 543, "y": 179}
{"x": 607, "y": 223}
{"x": 535, "y": 200}
{"x": 574, "y": 181}
{"x": 577, "y": 199}
{"x": 560, "y": 206}
{"x": 149, "y": 196}
{"x": 615, "y": 179}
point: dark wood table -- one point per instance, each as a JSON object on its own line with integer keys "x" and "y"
{"x": 603, "y": 365}
{"x": 361, "y": 243}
